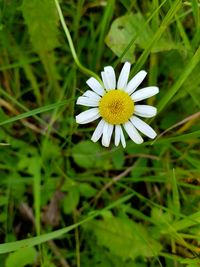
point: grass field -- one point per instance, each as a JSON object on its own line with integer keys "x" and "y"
{"x": 66, "y": 201}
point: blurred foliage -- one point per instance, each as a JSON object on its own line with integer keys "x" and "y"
{"x": 124, "y": 28}
{"x": 53, "y": 176}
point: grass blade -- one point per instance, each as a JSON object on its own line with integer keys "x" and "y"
{"x": 34, "y": 112}
{"x": 174, "y": 89}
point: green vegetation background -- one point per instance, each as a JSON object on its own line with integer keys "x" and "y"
{"x": 66, "y": 201}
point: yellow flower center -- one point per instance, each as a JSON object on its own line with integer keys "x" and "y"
{"x": 116, "y": 107}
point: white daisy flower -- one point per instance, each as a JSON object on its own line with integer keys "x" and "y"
{"x": 116, "y": 103}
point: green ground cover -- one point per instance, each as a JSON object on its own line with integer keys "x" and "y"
{"x": 66, "y": 201}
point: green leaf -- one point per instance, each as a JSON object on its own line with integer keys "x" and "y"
{"x": 124, "y": 238}
{"x": 47, "y": 190}
{"x": 42, "y": 21}
{"x": 191, "y": 262}
{"x": 89, "y": 155}
{"x": 71, "y": 200}
{"x": 187, "y": 70}
{"x": 118, "y": 158}
{"x": 50, "y": 150}
{"x": 21, "y": 257}
{"x": 160, "y": 217}
{"x": 124, "y": 28}
{"x": 140, "y": 168}
{"x": 87, "y": 190}
{"x": 33, "y": 241}
{"x": 101, "y": 257}
{"x": 119, "y": 36}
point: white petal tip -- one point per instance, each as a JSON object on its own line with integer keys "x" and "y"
{"x": 128, "y": 64}
{"x": 155, "y": 111}
{"x": 145, "y": 111}
{"x": 135, "y": 81}
{"x": 139, "y": 142}
{"x": 105, "y": 145}
{"x": 78, "y": 102}
{"x": 89, "y": 80}
{"x": 124, "y": 75}
{"x": 77, "y": 120}
{"x": 156, "y": 89}
{"x": 95, "y": 86}
{"x": 144, "y": 72}
{"x": 153, "y": 136}
{"x": 107, "y": 68}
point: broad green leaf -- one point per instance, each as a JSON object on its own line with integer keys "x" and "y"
{"x": 47, "y": 263}
{"x": 133, "y": 149}
{"x": 100, "y": 257}
{"x": 21, "y": 257}
{"x": 3, "y": 200}
{"x": 50, "y": 150}
{"x": 124, "y": 28}
{"x": 118, "y": 158}
{"x": 140, "y": 168}
{"x": 17, "y": 187}
{"x": 42, "y": 21}
{"x": 71, "y": 200}
{"x": 124, "y": 238}
{"x": 87, "y": 190}
{"x": 193, "y": 262}
{"x": 33, "y": 241}
{"x": 119, "y": 36}
{"x": 160, "y": 217}
{"x": 48, "y": 190}
{"x": 169, "y": 120}
{"x": 90, "y": 155}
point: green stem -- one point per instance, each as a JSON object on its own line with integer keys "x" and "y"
{"x": 71, "y": 45}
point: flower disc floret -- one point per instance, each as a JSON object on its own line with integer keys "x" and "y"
{"x": 116, "y": 107}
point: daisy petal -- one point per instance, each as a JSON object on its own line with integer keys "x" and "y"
{"x": 88, "y": 116}
{"x": 86, "y": 101}
{"x": 95, "y": 86}
{"x": 143, "y": 127}
{"x": 117, "y": 134}
{"x": 111, "y": 79}
{"x": 104, "y": 79}
{"x": 92, "y": 95}
{"x": 145, "y": 111}
{"x": 98, "y": 131}
{"x": 145, "y": 93}
{"x": 122, "y": 139}
{"x": 132, "y": 132}
{"x": 107, "y": 133}
{"x": 135, "y": 82}
{"x": 110, "y": 131}
{"x": 123, "y": 77}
